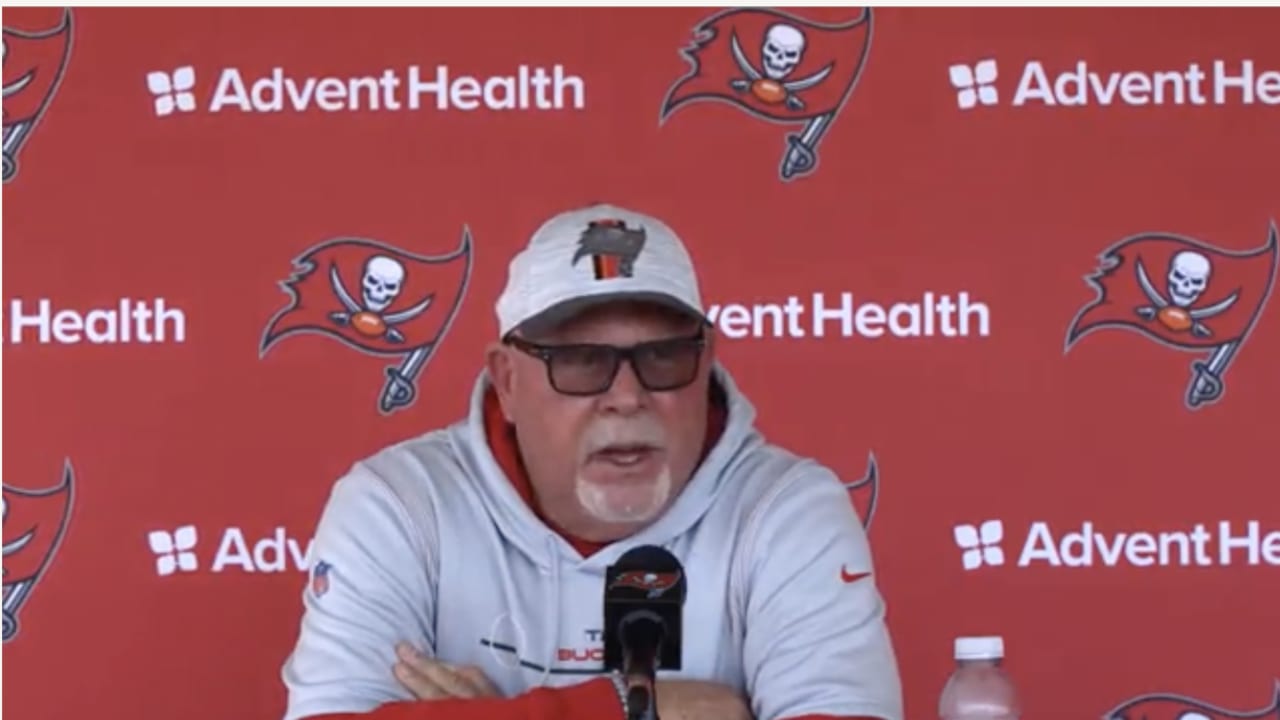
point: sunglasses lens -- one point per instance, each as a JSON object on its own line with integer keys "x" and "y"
{"x": 668, "y": 365}
{"x": 583, "y": 370}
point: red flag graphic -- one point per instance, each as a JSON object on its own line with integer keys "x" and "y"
{"x": 34, "y": 521}
{"x": 1179, "y": 707}
{"x": 773, "y": 65}
{"x": 373, "y": 297}
{"x": 1180, "y": 292}
{"x": 35, "y": 53}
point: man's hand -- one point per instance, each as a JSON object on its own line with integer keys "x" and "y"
{"x": 430, "y": 679}
{"x": 699, "y": 700}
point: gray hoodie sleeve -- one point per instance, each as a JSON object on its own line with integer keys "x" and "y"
{"x": 371, "y": 585}
{"x": 816, "y": 641}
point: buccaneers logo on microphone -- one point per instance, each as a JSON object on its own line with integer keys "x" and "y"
{"x": 34, "y": 524}
{"x": 37, "y": 43}
{"x": 655, "y": 583}
{"x": 1165, "y": 706}
{"x": 776, "y": 67}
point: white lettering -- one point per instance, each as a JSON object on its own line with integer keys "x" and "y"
{"x": 1195, "y": 85}
{"x": 931, "y": 316}
{"x": 1200, "y": 536}
{"x": 761, "y": 320}
{"x": 329, "y": 94}
{"x": 230, "y": 90}
{"x": 527, "y": 88}
{"x": 277, "y": 553}
{"x": 1222, "y": 81}
{"x": 869, "y": 318}
{"x": 1140, "y": 548}
{"x": 1077, "y": 548}
{"x": 232, "y": 551}
{"x": 1034, "y": 85}
{"x": 1251, "y": 542}
{"x": 1271, "y": 548}
{"x": 129, "y": 321}
{"x": 301, "y": 560}
{"x": 18, "y": 321}
{"x": 1146, "y": 549}
{"x": 966, "y": 310}
{"x": 1081, "y": 86}
{"x": 821, "y": 314}
{"x": 1135, "y": 88}
{"x": 912, "y": 312}
{"x": 1268, "y": 88}
{"x": 1039, "y": 546}
{"x": 276, "y": 547}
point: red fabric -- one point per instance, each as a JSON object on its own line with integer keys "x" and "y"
{"x": 591, "y": 700}
{"x": 506, "y": 451}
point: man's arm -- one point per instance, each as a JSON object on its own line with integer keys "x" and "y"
{"x": 376, "y": 590}
{"x": 816, "y": 645}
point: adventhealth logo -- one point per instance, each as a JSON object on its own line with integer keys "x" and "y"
{"x": 1221, "y": 82}
{"x": 176, "y": 552}
{"x": 1225, "y": 544}
{"x": 183, "y": 90}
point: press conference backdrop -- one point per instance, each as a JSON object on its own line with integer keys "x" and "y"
{"x": 1010, "y": 272}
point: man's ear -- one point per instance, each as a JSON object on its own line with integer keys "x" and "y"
{"x": 502, "y": 373}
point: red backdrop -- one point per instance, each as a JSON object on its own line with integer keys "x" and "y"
{"x": 1042, "y": 470}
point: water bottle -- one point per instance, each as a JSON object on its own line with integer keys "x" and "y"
{"x": 979, "y": 688}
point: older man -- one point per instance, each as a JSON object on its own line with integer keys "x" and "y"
{"x": 459, "y": 574}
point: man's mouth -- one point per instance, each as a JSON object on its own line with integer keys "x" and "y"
{"x": 624, "y": 455}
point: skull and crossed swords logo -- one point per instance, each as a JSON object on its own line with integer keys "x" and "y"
{"x": 1187, "y": 280}
{"x": 380, "y": 285}
{"x": 781, "y": 53}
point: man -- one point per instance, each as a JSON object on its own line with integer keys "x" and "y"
{"x": 460, "y": 574}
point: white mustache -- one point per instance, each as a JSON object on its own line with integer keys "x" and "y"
{"x": 616, "y": 431}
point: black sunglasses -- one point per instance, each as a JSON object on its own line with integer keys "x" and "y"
{"x": 589, "y": 369}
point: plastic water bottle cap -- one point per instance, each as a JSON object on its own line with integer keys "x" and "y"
{"x": 980, "y": 648}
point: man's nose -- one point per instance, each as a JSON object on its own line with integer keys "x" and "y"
{"x": 626, "y": 395}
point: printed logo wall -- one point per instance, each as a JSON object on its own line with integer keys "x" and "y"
{"x": 237, "y": 262}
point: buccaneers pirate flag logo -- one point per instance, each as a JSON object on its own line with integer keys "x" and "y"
{"x": 34, "y": 524}
{"x": 1163, "y": 706}
{"x": 776, "y": 67}
{"x": 1185, "y": 294}
{"x": 377, "y": 299}
{"x": 37, "y": 42}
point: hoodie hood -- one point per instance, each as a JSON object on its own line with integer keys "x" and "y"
{"x": 546, "y": 549}
{"x": 520, "y": 526}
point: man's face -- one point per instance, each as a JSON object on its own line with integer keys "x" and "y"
{"x": 604, "y": 466}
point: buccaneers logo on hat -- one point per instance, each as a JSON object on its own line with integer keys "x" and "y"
{"x": 1184, "y": 294}
{"x": 612, "y": 247}
{"x": 776, "y": 67}
{"x": 378, "y": 299}
{"x": 37, "y": 43}
{"x": 35, "y": 522}
{"x": 1164, "y": 706}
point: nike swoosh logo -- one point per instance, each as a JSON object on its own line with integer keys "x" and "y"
{"x": 849, "y": 577}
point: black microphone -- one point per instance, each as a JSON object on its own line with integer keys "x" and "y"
{"x": 643, "y": 604}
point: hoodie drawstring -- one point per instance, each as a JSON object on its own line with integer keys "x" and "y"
{"x": 552, "y": 610}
